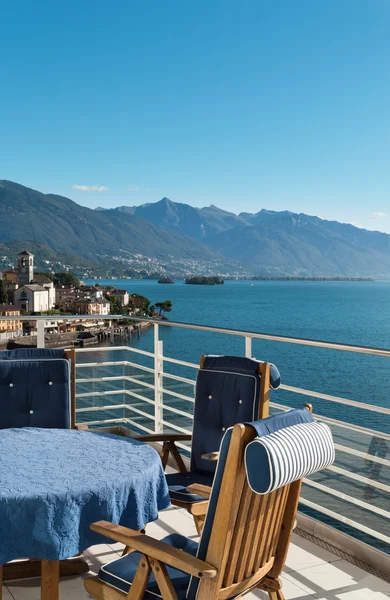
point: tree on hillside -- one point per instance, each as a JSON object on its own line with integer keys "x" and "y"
{"x": 3, "y": 292}
{"x": 165, "y": 306}
{"x": 65, "y": 279}
{"x": 115, "y": 307}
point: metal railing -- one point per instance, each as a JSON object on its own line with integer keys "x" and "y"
{"x": 144, "y": 391}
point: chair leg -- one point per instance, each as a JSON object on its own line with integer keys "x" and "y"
{"x": 199, "y": 522}
{"x": 276, "y": 595}
{"x": 1, "y": 581}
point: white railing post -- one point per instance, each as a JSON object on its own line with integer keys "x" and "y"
{"x": 248, "y": 347}
{"x": 41, "y": 334}
{"x": 158, "y": 368}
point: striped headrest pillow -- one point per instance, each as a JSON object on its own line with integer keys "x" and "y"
{"x": 288, "y": 454}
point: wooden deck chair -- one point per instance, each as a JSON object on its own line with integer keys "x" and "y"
{"x": 229, "y": 390}
{"x": 248, "y": 526}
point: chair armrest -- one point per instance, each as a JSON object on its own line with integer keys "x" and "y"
{"x": 164, "y": 437}
{"x": 155, "y": 549}
{"x": 199, "y": 490}
{"x": 210, "y": 456}
{"x": 81, "y": 427}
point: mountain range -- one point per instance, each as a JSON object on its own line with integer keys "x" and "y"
{"x": 195, "y": 240}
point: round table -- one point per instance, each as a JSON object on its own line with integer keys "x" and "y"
{"x": 55, "y": 482}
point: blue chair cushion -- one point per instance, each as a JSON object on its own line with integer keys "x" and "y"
{"x": 178, "y": 482}
{"x": 34, "y": 393}
{"x": 286, "y": 455}
{"x": 227, "y": 392}
{"x": 120, "y": 573}
{"x": 240, "y": 364}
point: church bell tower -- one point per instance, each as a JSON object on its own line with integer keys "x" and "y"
{"x": 25, "y": 268}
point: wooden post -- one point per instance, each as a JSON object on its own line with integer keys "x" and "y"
{"x": 71, "y": 356}
{"x": 1, "y": 581}
{"x": 50, "y": 580}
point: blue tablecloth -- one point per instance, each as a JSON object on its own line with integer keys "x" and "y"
{"x": 54, "y": 483}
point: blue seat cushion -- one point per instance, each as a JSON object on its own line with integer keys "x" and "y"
{"x": 178, "y": 482}
{"x": 120, "y": 573}
{"x": 35, "y": 393}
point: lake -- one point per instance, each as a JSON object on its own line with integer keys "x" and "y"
{"x": 349, "y": 312}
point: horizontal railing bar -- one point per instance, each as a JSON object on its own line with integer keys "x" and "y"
{"x": 181, "y": 429}
{"x": 370, "y": 457}
{"x": 183, "y": 363}
{"x": 98, "y": 408}
{"x": 347, "y": 498}
{"x": 114, "y": 378}
{"x": 135, "y": 424}
{"x": 361, "y": 478}
{"x": 177, "y": 395}
{"x": 114, "y": 348}
{"x": 104, "y": 393}
{"x": 320, "y": 396}
{"x": 124, "y": 363}
{"x": 103, "y": 421}
{"x": 179, "y": 378}
{"x": 141, "y": 412}
{"x": 178, "y": 411}
{"x": 345, "y": 520}
{"x": 344, "y": 424}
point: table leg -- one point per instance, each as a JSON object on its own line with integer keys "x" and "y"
{"x": 50, "y": 580}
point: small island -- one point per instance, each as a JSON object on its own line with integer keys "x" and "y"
{"x": 198, "y": 280}
{"x": 165, "y": 280}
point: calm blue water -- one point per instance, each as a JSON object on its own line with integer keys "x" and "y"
{"x": 348, "y": 312}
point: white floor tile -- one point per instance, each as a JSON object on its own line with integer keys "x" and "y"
{"x": 332, "y": 580}
{"x": 6, "y": 594}
{"x": 303, "y": 554}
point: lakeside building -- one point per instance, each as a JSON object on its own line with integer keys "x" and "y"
{"x": 122, "y": 296}
{"x": 99, "y": 306}
{"x": 32, "y": 298}
{"x": 11, "y": 328}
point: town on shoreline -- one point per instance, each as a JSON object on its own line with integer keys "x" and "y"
{"x": 25, "y": 292}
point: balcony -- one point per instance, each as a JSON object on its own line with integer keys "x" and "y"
{"x": 342, "y": 546}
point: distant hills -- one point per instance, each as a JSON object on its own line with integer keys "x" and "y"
{"x": 179, "y": 239}
{"x": 277, "y": 243}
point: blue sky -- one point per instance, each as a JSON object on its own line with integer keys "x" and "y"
{"x": 246, "y": 104}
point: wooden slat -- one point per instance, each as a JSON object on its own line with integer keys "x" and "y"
{"x": 246, "y": 583}
{"x": 238, "y": 535}
{"x": 257, "y": 534}
{"x": 71, "y": 356}
{"x": 249, "y": 526}
{"x": 264, "y": 370}
{"x": 50, "y": 580}
{"x": 286, "y": 528}
{"x": 250, "y": 531}
{"x": 265, "y": 526}
{"x": 278, "y": 521}
{"x": 23, "y": 569}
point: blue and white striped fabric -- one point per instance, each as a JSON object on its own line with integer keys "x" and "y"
{"x": 286, "y": 455}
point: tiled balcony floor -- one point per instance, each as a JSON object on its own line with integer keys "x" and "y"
{"x": 311, "y": 572}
